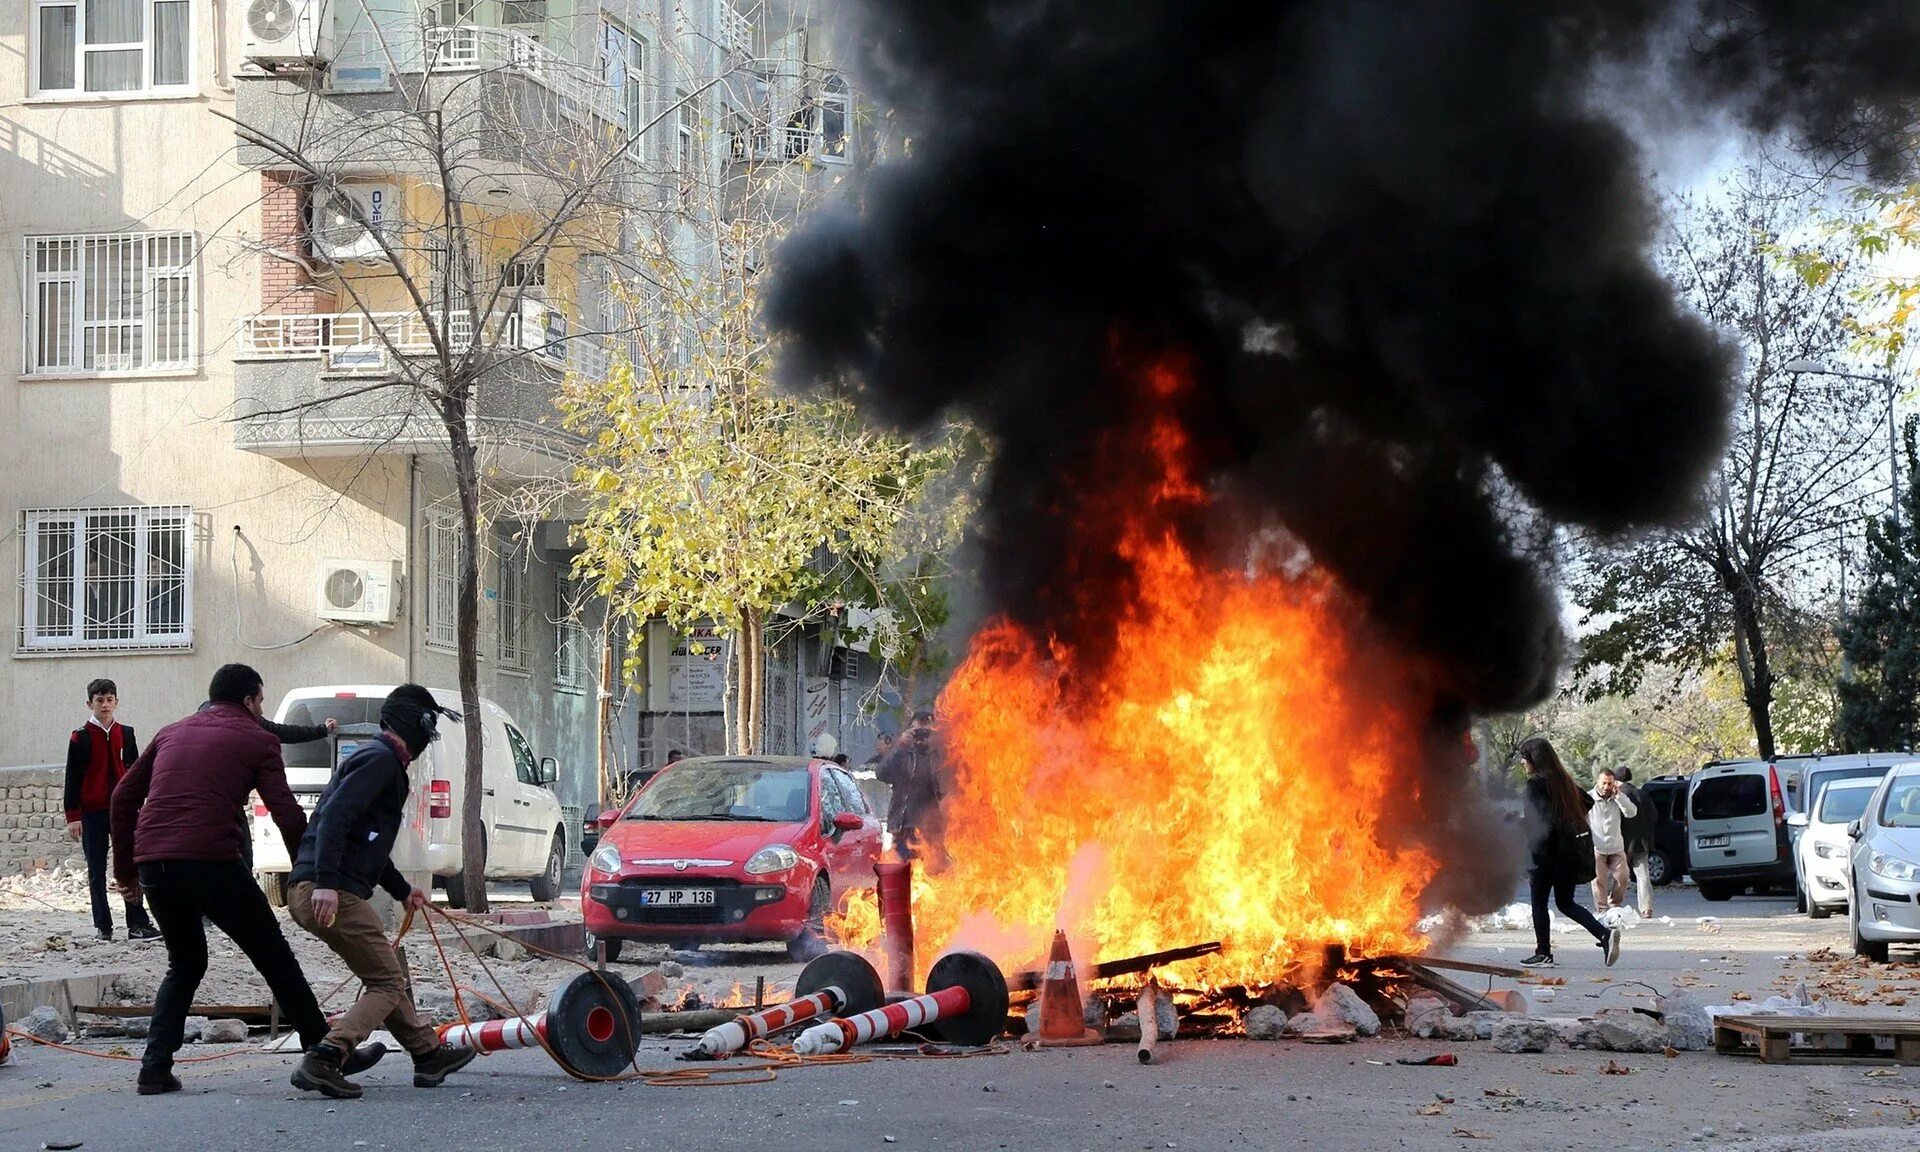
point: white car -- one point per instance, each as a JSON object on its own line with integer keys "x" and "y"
{"x": 1824, "y": 846}
{"x": 526, "y": 837}
{"x": 1884, "y": 876}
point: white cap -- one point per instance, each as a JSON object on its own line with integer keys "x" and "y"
{"x": 824, "y": 746}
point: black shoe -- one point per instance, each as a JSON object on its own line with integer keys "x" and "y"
{"x": 143, "y": 932}
{"x": 319, "y": 1071}
{"x": 1611, "y": 946}
{"x": 103, "y": 933}
{"x": 363, "y": 1058}
{"x": 431, "y": 1069}
{"x": 156, "y": 1084}
{"x": 1539, "y": 960}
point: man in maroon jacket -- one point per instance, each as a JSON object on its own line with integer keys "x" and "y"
{"x": 175, "y": 838}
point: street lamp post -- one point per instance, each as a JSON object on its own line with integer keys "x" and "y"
{"x": 1815, "y": 367}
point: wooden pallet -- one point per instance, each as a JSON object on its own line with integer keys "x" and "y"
{"x": 1772, "y": 1038}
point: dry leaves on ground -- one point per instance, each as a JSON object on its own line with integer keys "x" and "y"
{"x": 1468, "y": 1134}
{"x": 1742, "y": 996}
{"x": 1615, "y": 1068}
{"x": 1563, "y": 1071}
{"x": 1670, "y": 1052}
{"x": 1433, "y": 1109}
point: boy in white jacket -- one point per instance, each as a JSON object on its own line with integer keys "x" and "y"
{"x": 1610, "y": 872}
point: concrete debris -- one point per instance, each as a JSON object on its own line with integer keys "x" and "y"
{"x": 225, "y": 1032}
{"x": 137, "y": 1027}
{"x": 1343, "y": 1005}
{"x": 1624, "y": 1030}
{"x": 196, "y": 1028}
{"x": 1575, "y": 1032}
{"x": 1522, "y": 1034}
{"x": 510, "y": 951}
{"x": 1127, "y": 1025}
{"x": 1425, "y": 1014}
{"x": 44, "y": 1024}
{"x": 1266, "y": 1022}
{"x": 1459, "y": 1029}
{"x": 1689, "y": 1027}
{"x": 1483, "y": 1023}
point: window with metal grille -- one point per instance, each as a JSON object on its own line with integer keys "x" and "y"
{"x": 105, "y": 578}
{"x": 120, "y": 302}
{"x": 570, "y": 645}
{"x": 103, "y": 47}
{"x": 513, "y": 618}
{"x": 524, "y": 274}
{"x": 443, "y": 579}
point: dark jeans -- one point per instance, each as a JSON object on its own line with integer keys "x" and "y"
{"x": 94, "y": 828}
{"x": 1545, "y": 883}
{"x": 182, "y": 891}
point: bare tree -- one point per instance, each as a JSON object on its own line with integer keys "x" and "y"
{"x": 1749, "y": 575}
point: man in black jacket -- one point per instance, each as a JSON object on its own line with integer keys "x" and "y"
{"x": 1638, "y": 831}
{"x": 347, "y": 849}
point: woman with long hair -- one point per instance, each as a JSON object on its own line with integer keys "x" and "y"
{"x": 1562, "y": 855}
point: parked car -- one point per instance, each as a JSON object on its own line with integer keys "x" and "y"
{"x": 1737, "y": 824}
{"x": 1804, "y": 777}
{"x": 1823, "y": 848}
{"x": 1883, "y": 875}
{"x": 730, "y": 848}
{"x": 1667, "y": 796}
{"x": 521, "y": 818}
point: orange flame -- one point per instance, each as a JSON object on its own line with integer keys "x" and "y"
{"x": 1217, "y": 777}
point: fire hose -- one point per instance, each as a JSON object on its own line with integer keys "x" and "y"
{"x": 965, "y": 1003}
{"x": 836, "y": 983}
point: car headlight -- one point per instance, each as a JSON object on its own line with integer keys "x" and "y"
{"x": 1828, "y": 851}
{"x": 605, "y": 858}
{"x": 1892, "y": 867}
{"x": 773, "y": 858}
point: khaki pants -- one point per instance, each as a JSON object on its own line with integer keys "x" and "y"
{"x": 357, "y": 937}
{"x": 1609, "y": 880}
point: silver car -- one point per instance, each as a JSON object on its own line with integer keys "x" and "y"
{"x": 1884, "y": 907}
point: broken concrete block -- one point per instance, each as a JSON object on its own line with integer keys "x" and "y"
{"x": 1459, "y": 1029}
{"x": 1630, "y": 1031}
{"x": 196, "y": 1027}
{"x": 1126, "y": 1026}
{"x": 137, "y": 1027}
{"x": 649, "y": 985}
{"x": 1575, "y": 1032}
{"x": 510, "y": 951}
{"x": 1424, "y": 1014}
{"x": 1483, "y": 1023}
{"x": 225, "y": 1032}
{"x": 1689, "y": 1028}
{"x": 1266, "y": 1022}
{"x": 43, "y": 1024}
{"x": 1343, "y": 1004}
{"x": 1522, "y": 1034}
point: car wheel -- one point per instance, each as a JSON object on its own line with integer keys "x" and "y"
{"x": 594, "y": 943}
{"x": 1800, "y": 903}
{"x": 1716, "y": 892}
{"x": 546, "y": 886}
{"x": 1659, "y": 869}
{"x": 1874, "y": 950}
{"x": 274, "y": 884}
{"x": 455, "y": 886}
{"x": 1816, "y": 912}
{"x": 811, "y": 940}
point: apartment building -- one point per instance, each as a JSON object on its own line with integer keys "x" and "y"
{"x": 226, "y": 282}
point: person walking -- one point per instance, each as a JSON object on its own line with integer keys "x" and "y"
{"x": 1638, "y": 831}
{"x": 175, "y": 839}
{"x": 1562, "y": 853}
{"x": 1605, "y": 820}
{"x": 99, "y": 754}
{"x": 912, "y": 773}
{"x": 347, "y": 849}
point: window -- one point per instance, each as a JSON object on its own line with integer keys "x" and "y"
{"x": 120, "y": 302}
{"x": 105, "y": 578}
{"x": 623, "y": 65}
{"x": 570, "y": 650}
{"x": 443, "y": 579}
{"x": 684, "y": 158}
{"x": 856, "y": 800}
{"x": 523, "y": 11}
{"x": 523, "y": 274}
{"x": 513, "y": 619}
{"x": 836, "y": 115}
{"x": 1727, "y": 797}
{"x": 108, "y": 46}
{"x": 524, "y": 769}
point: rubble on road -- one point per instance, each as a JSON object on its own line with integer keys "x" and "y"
{"x": 1265, "y": 1022}
{"x": 1522, "y": 1034}
{"x": 43, "y": 1024}
{"x": 224, "y": 1032}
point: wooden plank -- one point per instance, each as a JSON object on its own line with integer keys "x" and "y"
{"x": 1128, "y": 966}
{"x": 252, "y": 1013}
{"x": 1455, "y": 965}
{"x": 1461, "y": 999}
{"x": 1830, "y": 1025}
{"x": 1773, "y": 1050}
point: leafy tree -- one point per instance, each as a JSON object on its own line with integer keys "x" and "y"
{"x": 1880, "y": 637}
{"x": 1749, "y": 572}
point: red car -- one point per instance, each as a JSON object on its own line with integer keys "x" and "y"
{"x": 730, "y": 848}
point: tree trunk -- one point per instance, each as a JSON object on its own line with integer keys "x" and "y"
{"x": 752, "y": 690}
{"x": 1756, "y": 668}
{"x": 473, "y": 835}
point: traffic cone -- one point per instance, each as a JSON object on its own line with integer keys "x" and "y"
{"x": 1063, "y": 1021}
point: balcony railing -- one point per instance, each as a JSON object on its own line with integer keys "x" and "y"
{"x": 366, "y": 342}
{"x": 736, "y": 33}
{"x": 471, "y": 48}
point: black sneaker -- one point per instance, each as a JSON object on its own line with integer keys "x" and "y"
{"x": 363, "y": 1058}
{"x": 319, "y": 1071}
{"x": 156, "y": 1083}
{"x": 1539, "y": 960}
{"x": 143, "y": 932}
{"x": 435, "y": 1066}
{"x": 1611, "y": 946}
{"x": 103, "y": 933}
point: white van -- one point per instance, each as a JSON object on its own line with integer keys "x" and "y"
{"x": 1737, "y": 828}
{"x": 525, "y": 833}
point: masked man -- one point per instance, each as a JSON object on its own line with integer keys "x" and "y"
{"x": 347, "y": 849}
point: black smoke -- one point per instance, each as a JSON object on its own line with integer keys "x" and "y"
{"x": 1405, "y": 243}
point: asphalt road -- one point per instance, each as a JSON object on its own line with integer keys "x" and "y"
{"x": 1206, "y": 1095}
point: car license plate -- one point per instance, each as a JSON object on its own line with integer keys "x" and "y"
{"x": 308, "y": 801}
{"x": 677, "y": 897}
{"x": 1713, "y": 841}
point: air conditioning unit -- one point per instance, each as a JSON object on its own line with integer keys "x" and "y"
{"x": 347, "y": 221}
{"x": 358, "y": 591}
{"x": 287, "y": 33}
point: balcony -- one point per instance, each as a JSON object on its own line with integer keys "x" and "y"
{"x": 328, "y": 384}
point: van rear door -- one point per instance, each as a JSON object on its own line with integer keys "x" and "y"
{"x": 1731, "y": 818}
